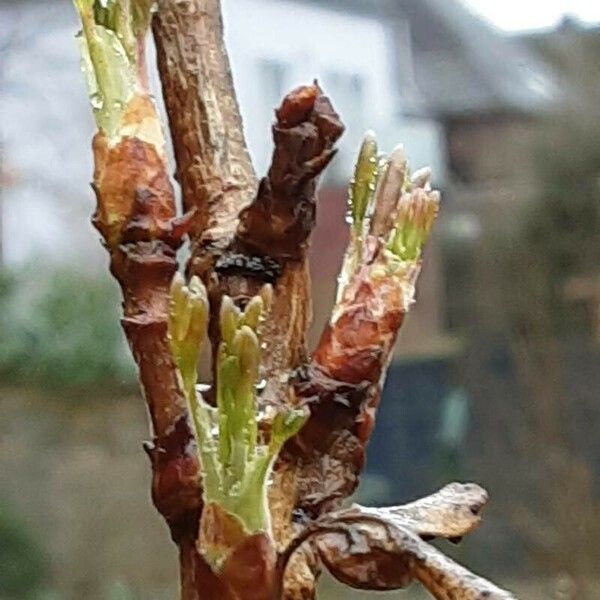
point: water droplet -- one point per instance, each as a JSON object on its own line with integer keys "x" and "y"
{"x": 261, "y": 385}
{"x": 203, "y": 387}
{"x": 261, "y": 415}
{"x": 349, "y": 218}
{"x": 96, "y": 101}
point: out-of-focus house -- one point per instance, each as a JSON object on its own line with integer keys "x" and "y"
{"x": 489, "y": 94}
{"x": 572, "y": 48}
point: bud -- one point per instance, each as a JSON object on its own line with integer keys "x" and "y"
{"x": 389, "y": 189}
{"x": 422, "y": 178}
{"x": 286, "y": 425}
{"x": 246, "y": 347}
{"x": 253, "y": 313}
{"x": 177, "y": 316}
{"x": 415, "y": 215}
{"x": 363, "y": 183}
{"x": 198, "y": 307}
{"x": 266, "y": 293}
{"x": 229, "y": 318}
{"x": 188, "y": 319}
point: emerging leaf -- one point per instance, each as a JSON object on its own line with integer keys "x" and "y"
{"x": 188, "y": 320}
{"x": 111, "y": 34}
{"x": 363, "y": 183}
{"x": 415, "y": 214}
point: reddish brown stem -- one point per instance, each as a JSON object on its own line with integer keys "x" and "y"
{"x": 136, "y": 217}
{"x": 240, "y": 240}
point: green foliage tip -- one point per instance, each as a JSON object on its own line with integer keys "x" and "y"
{"x": 236, "y": 462}
{"x": 108, "y": 41}
{"x": 363, "y": 183}
{"x": 416, "y": 213}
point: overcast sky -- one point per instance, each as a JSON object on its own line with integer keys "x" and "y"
{"x": 532, "y": 14}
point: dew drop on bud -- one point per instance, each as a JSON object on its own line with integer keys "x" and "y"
{"x": 96, "y": 101}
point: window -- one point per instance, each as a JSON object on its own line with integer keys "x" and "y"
{"x": 348, "y": 93}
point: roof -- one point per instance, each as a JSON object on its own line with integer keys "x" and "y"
{"x": 462, "y": 64}
{"x": 465, "y": 65}
{"x": 573, "y": 49}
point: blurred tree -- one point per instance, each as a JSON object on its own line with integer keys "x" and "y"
{"x": 59, "y": 329}
{"x": 22, "y": 562}
{"x": 541, "y": 264}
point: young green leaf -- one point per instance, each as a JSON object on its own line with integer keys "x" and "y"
{"x": 363, "y": 182}
{"x": 416, "y": 213}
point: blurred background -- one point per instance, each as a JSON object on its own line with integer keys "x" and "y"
{"x": 497, "y": 374}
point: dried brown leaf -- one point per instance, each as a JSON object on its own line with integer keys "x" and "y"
{"x": 452, "y": 512}
{"x": 384, "y": 549}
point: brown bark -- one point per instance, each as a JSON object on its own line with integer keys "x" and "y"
{"x": 244, "y": 235}
{"x": 136, "y": 217}
{"x": 342, "y": 384}
{"x": 213, "y": 165}
{"x": 284, "y": 209}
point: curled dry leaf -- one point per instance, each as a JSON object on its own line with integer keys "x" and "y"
{"x": 450, "y": 513}
{"x": 384, "y": 548}
{"x": 378, "y": 555}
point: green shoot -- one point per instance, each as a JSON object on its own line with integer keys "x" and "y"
{"x": 363, "y": 183}
{"x": 109, "y": 44}
{"x": 188, "y": 320}
{"x": 416, "y": 213}
{"x": 236, "y": 465}
{"x": 252, "y": 505}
